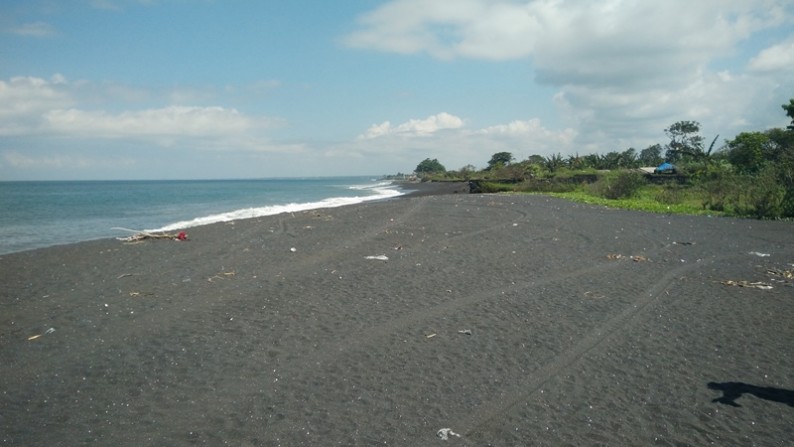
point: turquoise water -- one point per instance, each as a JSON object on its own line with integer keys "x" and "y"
{"x": 42, "y": 214}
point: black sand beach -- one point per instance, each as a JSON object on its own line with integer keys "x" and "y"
{"x": 512, "y": 320}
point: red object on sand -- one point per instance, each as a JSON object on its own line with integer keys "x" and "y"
{"x": 182, "y": 236}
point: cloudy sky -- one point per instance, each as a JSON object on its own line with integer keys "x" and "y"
{"x": 174, "y": 89}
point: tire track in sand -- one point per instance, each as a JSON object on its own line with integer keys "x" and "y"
{"x": 401, "y": 217}
{"x": 359, "y": 340}
{"x": 484, "y": 416}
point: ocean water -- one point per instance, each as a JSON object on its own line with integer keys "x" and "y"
{"x": 43, "y": 214}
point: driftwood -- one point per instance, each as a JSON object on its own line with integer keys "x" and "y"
{"x": 139, "y": 236}
{"x": 752, "y": 285}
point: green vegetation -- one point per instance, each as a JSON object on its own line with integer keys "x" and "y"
{"x": 428, "y": 166}
{"x": 500, "y": 160}
{"x": 789, "y": 108}
{"x": 751, "y": 175}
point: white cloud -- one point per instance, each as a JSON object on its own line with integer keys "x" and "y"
{"x": 32, "y": 106}
{"x": 25, "y": 95}
{"x": 566, "y": 31}
{"x": 24, "y": 99}
{"x": 415, "y": 127}
{"x": 624, "y": 69}
{"x": 531, "y": 134}
{"x": 777, "y": 58}
{"x": 617, "y": 42}
{"x": 18, "y": 160}
{"x": 168, "y": 121}
{"x": 444, "y": 29}
{"x": 35, "y": 29}
{"x": 457, "y": 146}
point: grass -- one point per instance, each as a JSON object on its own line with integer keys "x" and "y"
{"x": 723, "y": 198}
{"x": 650, "y": 198}
{"x": 637, "y": 203}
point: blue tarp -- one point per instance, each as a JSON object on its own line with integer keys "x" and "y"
{"x": 665, "y": 167}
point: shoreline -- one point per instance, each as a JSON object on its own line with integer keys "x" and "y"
{"x": 49, "y": 239}
{"x": 511, "y": 319}
{"x": 419, "y": 189}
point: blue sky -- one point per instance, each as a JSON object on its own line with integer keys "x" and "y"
{"x": 171, "y": 89}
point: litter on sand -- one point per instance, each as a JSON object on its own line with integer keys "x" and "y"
{"x": 143, "y": 235}
{"x": 788, "y": 274}
{"x": 752, "y": 285}
{"x": 378, "y": 258}
{"x": 445, "y": 433}
{"x": 759, "y": 254}
{"x": 465, "y": 332}
{"x": 635, "y": 258}
{"x": 48, "y": 331}
{"x": 222, "y": 275}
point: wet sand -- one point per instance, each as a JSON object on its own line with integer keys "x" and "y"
{"x": 509, "y": 319}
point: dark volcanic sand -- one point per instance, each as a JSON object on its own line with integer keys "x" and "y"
{"x": 232, "y": 338}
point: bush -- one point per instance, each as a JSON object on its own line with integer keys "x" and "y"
{"x": 618, "y": 185}
{"x": 670, "y": 194}
{"x": 720, "y": 192}
{"x": 766, "y": 197}
{"x": 546, "y": 185}
{"x": 491, "y": 187}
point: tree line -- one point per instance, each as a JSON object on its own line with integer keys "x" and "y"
{"x": 751, "y": 174}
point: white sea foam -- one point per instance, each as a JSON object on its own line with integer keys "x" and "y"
{"x": 380, "y": 191}
{"x": 376, "y": 186}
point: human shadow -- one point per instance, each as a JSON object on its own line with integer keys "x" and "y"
{"x": 734, "y": 390}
